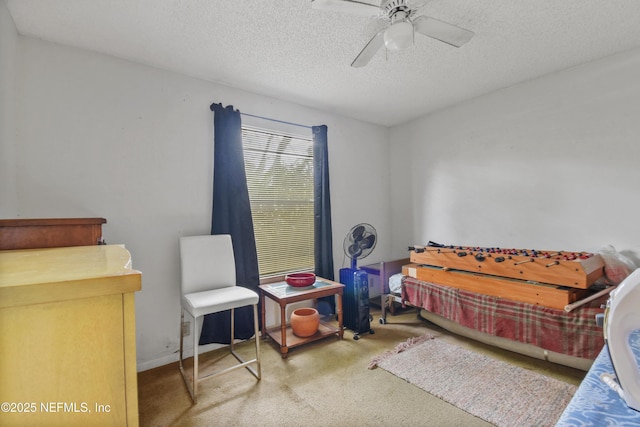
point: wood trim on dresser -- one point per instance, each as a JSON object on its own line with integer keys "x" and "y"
{"x": 50, "y": 232}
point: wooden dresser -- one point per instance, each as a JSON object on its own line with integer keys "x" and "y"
{"x": 67, "y": 336}
{"x": 50, "y": 232}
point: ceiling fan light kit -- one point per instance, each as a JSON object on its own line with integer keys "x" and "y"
{"x": 398, "y": 36}
{"x": 403, "y": 25}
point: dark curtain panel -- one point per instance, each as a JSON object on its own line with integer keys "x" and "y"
{"x": 322, "y": 214}
{"x": 232, "y": 215}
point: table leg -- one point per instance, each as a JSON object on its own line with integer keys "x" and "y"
{"x": 283, "y": 329}
{"x": 339, "y": 309}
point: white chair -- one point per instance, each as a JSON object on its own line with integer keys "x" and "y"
{"x": 209, "y": 286}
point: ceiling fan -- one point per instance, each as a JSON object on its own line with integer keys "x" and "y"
{"x": 402, "y": 25}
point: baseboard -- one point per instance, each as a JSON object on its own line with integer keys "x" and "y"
{"x": 155, "y": 363}
{"x": 173, "y": 357}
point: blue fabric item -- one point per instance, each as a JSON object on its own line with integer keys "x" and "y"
{"x": 595, "y": 403}
{"x": 231, "y": 214}
{"x": 323, "y": 249}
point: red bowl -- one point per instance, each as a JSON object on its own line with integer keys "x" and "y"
{"x": 300, "y": 280}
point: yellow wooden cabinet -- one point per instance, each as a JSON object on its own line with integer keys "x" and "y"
{"x": 67, "y": 337}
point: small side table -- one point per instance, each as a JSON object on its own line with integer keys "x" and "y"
{"x": 283, "y": 295}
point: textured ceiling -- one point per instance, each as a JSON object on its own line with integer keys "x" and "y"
{"x": 284, "y": 49}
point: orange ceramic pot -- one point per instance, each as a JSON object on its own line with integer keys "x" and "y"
{"x": 305, "y": 322}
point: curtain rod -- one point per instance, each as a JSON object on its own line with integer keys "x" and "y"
{"x": 275, "y": 120}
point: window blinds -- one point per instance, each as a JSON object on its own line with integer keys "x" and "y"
{"x": 279, "y": 170}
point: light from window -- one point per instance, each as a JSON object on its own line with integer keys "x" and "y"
{"x": 279, "y": 171}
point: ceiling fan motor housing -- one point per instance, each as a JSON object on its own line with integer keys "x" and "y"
{"x": 397, "y": 10}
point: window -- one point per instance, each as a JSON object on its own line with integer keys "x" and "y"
{"x": 279, "y": 170}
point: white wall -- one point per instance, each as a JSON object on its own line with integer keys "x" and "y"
{"x": 8, "y": 40}
{"x": 99, "y": 136}
{"x": 550, "y": 164}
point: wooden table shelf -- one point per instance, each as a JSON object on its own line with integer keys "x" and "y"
{"x": 324, "y": 330}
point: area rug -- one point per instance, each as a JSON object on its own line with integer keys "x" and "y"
{"x": 496, "y": 391}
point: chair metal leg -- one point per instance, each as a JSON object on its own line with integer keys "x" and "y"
{"x": 257, "y": 372}
{"x": 181, "y": 335}
{"x": 193, "y": 386}
{"x": 256, "y": 328}
{"x": 196, "y": 356}
{"x": 233, "y": 329}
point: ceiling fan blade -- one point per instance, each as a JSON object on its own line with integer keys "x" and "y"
{"x": 346, "y": 6}
{"x": 448, "y": 33}
{"x": 369, "y": 50}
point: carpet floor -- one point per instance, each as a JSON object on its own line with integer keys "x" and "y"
{"x": 322, "y": 383}
{"x": 501, "y": 393}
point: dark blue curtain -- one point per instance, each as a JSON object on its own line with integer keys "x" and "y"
{"x": 322, "y": 214}
{"x": 232, "y": 215}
